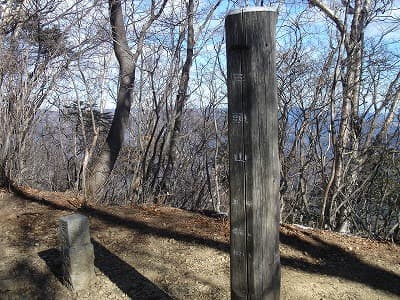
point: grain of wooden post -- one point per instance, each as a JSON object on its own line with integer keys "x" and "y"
{"x": 253, "y": 153}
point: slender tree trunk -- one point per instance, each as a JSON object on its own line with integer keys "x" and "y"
{"x": 176, "y": 120}
{"x": 127, "y": 66}
{"x": 110, "y": 150}
{"x": 350, "y": 139}
{"x": 347, "y": 140}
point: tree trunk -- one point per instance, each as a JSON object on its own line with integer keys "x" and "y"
{"x": 176, "y": 120}
{"x": 348, "y": 137}
{"x": 127, "y": 66}
{"x": 110, "y": 150}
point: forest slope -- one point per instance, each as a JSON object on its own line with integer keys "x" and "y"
{"x": 152, "y": 252}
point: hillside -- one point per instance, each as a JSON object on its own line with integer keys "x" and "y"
{"x": 151, "y": 252}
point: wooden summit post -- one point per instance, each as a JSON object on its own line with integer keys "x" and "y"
{"x": 253, "y": 153}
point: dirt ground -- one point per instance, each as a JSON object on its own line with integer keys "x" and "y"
{"x": 148, "y": 252}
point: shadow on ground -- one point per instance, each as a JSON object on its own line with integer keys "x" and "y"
{"x": 21, "y": 277}
{"x": 53, "y": 262}
{"x": 25, "y": 281}
{"x": 144, "y": 228}
{"x": 337, "y": 262}
{"x": 128, "y": 280}
{"x": 333, "y": 260}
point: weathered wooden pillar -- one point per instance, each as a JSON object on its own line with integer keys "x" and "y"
{"x": 253, "y": 153}
{"x": 77, "y": 253}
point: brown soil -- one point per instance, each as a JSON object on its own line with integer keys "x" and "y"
{"x": 150, "y": 252}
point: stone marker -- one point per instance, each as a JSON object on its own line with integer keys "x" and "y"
{"x": 77, "y": 254}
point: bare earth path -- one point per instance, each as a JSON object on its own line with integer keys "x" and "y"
{"x": 165, "y": 253}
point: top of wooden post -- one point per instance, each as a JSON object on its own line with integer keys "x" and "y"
{"x": 250, "y": 9}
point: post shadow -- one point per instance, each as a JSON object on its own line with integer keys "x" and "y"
{"x": 52, "y": 258}
{"x": 128, "y": 280}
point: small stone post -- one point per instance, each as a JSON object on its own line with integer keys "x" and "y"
{"x": 77, "y": 253}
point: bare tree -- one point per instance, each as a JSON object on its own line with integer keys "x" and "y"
{"x": 348, "y": 159}
{"x": 127, "y": 62}
{"x": 34, "y": 57}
